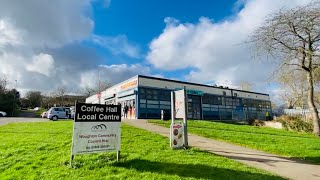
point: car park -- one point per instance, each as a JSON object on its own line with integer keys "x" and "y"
{"x": 2, "y": 114}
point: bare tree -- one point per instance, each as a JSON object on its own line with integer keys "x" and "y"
{"x": 294, "y": 88}
{"x": 88, "y": 91}
{"x": 246, "y": 86}
{"x": 293, "y": 37}
{"x": 58, "y": 95}
{"x": 3, "y": 85}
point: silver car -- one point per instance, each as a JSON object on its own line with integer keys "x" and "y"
{"x": 56, "y": 113}
{"x": 2, "y": 114}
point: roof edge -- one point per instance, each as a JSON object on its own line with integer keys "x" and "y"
{"x": 197, "y": 84}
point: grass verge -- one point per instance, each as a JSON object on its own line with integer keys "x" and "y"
{"x": 304, "y": 146}
{"x": 42, "y": 151}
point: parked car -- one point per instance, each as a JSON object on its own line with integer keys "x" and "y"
{"x": 44, "y": 114}
{"x": 2, "y": 114}
{"x": 56, "y": 113}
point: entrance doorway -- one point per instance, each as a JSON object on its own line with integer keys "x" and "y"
{"x": 194, "y": 107}
{"x": 131, "y": 108}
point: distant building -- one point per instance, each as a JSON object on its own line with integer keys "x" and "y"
{"x": 147, "y": 96}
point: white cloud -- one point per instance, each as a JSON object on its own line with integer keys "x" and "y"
{"x": 112, "y": 74}
{"x": 48, "y": 23}
{"x": 215, "y": 49}
{"x": 42, "y": 63}
{"x": 117, "y": 45}
{"x": 9, "y": 35}
{"x": 34, "y": 43}
{"x": 10, "y": 66}
{"x": 41, "y": 49}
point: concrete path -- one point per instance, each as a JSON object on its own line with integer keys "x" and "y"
{"x": 285, "y": 167}
{"x": 7, "y": 120}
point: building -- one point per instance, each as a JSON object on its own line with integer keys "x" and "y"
{"x": 147, "y": 96}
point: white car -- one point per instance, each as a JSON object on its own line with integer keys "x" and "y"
{"x": 56, "y": 113}
{"x": 43, "y": 114}
{"x": 2, "y": 114}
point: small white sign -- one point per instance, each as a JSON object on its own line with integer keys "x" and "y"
{"x": 177, "y": 135}
{"x": 96, "y": 128}
{"x": 180, "y": 104}
{"x": 92, "y": 137}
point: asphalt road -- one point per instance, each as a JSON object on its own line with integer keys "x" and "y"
{"x": 7, "y": 120}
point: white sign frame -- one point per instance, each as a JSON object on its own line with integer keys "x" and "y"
{"x": 96, "y": 129}
{"x": 179, "y": 109}
{"x": 180, "y": 104}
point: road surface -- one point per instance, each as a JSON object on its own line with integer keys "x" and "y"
{"x": 7, "y": 120}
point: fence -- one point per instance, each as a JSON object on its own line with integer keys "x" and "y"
{"x": 304, "y": 113}
{"x": 296, "y": 112}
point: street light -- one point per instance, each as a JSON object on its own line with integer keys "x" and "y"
{"x": 14, "y": 97}
{"x": 99, "y": 86}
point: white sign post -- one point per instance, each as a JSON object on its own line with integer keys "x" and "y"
{"x": 96, "y": 129}
{"x": 178, "y": 132}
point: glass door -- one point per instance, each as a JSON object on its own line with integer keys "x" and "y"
{"x": 194, "y": 107}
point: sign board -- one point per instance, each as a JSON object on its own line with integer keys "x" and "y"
{"x": 177, "y": 135}
{"x": 96, "y": 128}
{"x": 195, "y": 92}
{"x": 129, "y": 85}
{"x": 180, "y": 104}
{"x": 179, "y": 132}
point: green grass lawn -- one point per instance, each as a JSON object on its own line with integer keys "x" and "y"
{"x": 303, "y": 146}
{"x": 42, "y": 151}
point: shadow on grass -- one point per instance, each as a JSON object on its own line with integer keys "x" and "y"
{"x": 190, "y": 170}
{"x": 313, "y": 160}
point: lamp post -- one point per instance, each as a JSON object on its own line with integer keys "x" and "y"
{"x": 99, "y": 86}
{"x": 14, "y": 98}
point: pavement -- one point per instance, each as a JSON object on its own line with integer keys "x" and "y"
{"x": 7, "y": 120}
{"x": 284, "y": 167}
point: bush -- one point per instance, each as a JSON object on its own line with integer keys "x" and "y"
{"x": 256, "y": 122}
{"x": 294, "y": 123}
{"x": 7, "y": 103}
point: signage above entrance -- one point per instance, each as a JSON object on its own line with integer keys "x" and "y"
{"x": 194, "y": 92}
{"x": 129, "y": 85}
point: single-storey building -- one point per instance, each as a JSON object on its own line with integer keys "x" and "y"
{"x": 146, "y": 96}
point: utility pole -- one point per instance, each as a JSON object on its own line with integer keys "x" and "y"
{"x": 14, "y": 99}
{"x": 99, "y": 86}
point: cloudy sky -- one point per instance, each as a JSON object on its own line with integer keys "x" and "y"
{"x": 49, "y": 44}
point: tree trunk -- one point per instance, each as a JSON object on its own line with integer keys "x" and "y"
{"x": 312, "y": 106}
